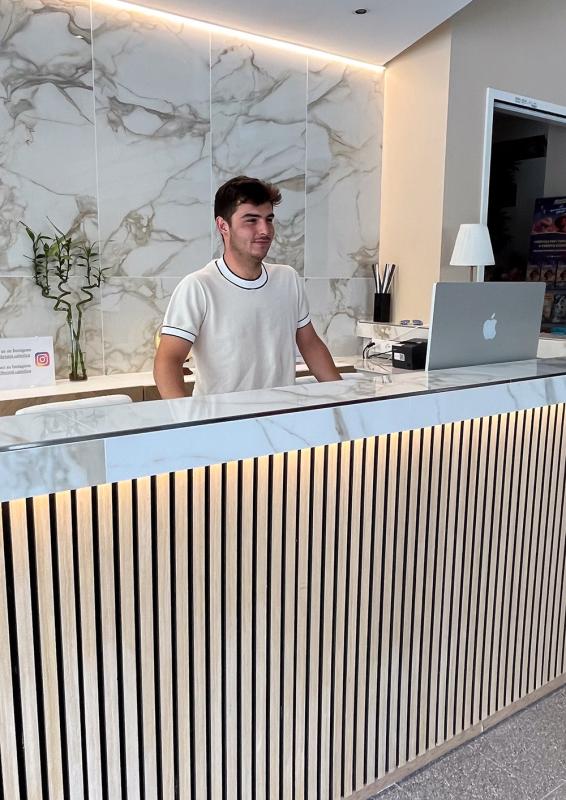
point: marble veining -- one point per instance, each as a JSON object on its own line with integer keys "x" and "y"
{"x": 336, "y": 305}
{"x": 149, "y": 438}
{"x": 123, "y": 126}
{"x": 343, "y": 170}
{"x": 27, "y": 313}
{"x": 153, "y": 129}
{"x": 61, "y": 466}
{"x": 516, "y": 379}
{"x": 133, "y": 310}
{"x": 258, "y": 128}
{"x": 248, "y": 437}
{"x": 47, "y": 164}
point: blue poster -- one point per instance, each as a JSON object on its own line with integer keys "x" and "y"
{"x": 547, "y": 259}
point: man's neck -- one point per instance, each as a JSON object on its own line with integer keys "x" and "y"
{"x": 246, "y": 268}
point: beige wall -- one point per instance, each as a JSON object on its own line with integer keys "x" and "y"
{"x": 512, "y": 45}
{"x": 434, "y": 118}
{"x": 414, "y": 143}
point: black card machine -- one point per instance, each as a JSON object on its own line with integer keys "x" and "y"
{"x": 410, "y": 354}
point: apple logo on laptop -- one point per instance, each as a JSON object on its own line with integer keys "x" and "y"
{"x": 489, "y": 331}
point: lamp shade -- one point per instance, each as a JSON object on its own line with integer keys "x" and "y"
{"x": 473, "y": 247}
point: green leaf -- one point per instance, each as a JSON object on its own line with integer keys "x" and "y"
{"x": 56, "y": 228}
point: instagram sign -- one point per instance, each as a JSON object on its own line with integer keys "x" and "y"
{"x": 42, "y": 359}
{"x": 26, "y": 361}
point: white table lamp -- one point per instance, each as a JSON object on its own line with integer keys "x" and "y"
{"x": 472, "y": 247}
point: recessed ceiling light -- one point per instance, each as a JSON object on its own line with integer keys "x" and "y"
{"x": 361, "y": 11}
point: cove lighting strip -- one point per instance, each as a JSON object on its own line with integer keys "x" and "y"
{"x": 248, "y": 37}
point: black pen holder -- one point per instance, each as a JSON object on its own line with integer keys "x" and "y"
{"x": 381, "y": 307}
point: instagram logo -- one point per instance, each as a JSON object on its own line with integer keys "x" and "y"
{"x": 42, "y": 360}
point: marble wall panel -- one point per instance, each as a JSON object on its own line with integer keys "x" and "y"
{"x": 132, "y": 311}
{"x": 335, "y": 307}
{"x": 258, "y": 106}
{"x": 152, "y": 90}
{"x": 344, "y": 136}
{"x": 141, "y": 143}
{"x": 30, "y": 314}
{"x": 47, "y": 164}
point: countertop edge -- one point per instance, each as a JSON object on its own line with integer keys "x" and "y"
{"x": 69, "y": 465}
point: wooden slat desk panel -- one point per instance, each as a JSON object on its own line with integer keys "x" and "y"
{"x": 297, "y": 593}
{"x": 290, "y": 626}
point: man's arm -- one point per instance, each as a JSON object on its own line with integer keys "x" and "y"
{"x": 316, "y": 355}
{"x": 168, "y": 366}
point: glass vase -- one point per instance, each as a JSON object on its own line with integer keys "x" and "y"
{"x": 76, "y": 359}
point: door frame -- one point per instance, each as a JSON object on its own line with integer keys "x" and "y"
{"x": 540, "y": 109}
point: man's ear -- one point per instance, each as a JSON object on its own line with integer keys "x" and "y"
{"x": 222, "y": 226}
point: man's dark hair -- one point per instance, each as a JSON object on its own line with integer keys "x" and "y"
{"x": 243, "y": 190}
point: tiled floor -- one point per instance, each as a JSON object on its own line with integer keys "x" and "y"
{"x": 523, "y": 758}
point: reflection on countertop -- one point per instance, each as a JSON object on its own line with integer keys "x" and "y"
{"x": 378, "y": 382}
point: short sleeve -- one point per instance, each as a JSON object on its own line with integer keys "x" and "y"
{"x": 186, "y": 310}
{"x": 303, "y": 315}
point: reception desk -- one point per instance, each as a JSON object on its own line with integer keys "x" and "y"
{"x": 297, "y": 593}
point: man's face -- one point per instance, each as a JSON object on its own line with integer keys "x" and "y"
{"x": 250, "y": 230}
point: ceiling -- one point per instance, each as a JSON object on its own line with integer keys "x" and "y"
{"x": 389, "y": 27}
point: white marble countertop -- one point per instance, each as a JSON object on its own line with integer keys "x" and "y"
{"x": 126, "y": 380}
{"x": 381, "y": 382}
{"x": 42, "y": 453}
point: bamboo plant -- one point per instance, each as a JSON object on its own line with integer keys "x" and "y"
{"x": 56, "y": 260}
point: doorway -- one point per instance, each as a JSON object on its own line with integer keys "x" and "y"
{"x": 524, "y": 201}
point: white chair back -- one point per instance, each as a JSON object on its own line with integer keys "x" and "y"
{"x": 82, "y": 402}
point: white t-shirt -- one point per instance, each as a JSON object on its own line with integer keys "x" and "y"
{"x": 243, "y": 331}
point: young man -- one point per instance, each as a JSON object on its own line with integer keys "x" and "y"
{"x": 240, "y": 317}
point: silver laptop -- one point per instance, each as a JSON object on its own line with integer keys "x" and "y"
{"x": 483, "y": 323}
